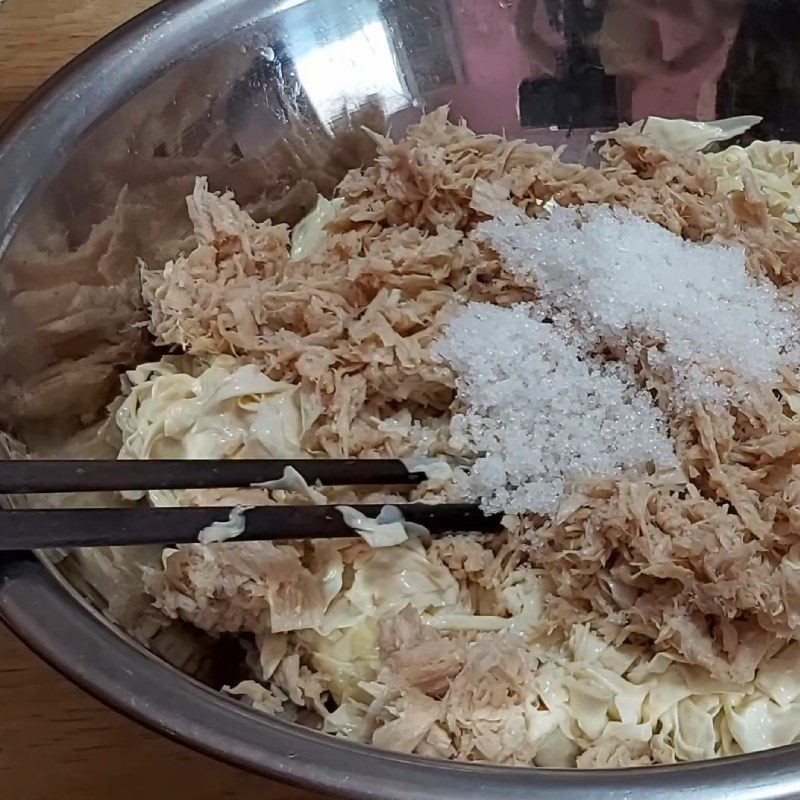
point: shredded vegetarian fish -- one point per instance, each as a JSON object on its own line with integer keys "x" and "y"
{"x": 608, "y": 354}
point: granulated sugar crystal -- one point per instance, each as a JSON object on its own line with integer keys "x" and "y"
{"x": 609, "y": 277}
{"x": 536, "y": 411}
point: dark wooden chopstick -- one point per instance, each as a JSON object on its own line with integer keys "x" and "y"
{"x": 92, "y": 527}
{"x": 38, "y": 475}
{"x": 33, "y": 529}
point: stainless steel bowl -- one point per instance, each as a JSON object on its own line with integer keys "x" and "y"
{"x": 266, "y": 98}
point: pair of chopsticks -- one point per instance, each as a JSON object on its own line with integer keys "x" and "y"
{"x": 31, "y": 529}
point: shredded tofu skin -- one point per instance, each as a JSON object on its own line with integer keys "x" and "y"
{"x": 607, "y": 355}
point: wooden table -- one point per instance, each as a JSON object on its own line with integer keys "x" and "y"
{"x": 56, "y": 743}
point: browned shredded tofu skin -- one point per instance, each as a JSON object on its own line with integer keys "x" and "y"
{"x": 694, "y": 574}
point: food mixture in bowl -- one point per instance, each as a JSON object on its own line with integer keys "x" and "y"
{"x": 608, "y": 354}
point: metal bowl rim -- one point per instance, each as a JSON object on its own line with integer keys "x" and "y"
{"x": 67, "y": 634}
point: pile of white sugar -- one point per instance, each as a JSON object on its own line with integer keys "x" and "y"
{"x": 537, "y": 412}
{"x": 608, "y": 277}
{"x": 539, "y": 402}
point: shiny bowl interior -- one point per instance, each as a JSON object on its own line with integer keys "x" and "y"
{"x": 267, "y": 98}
